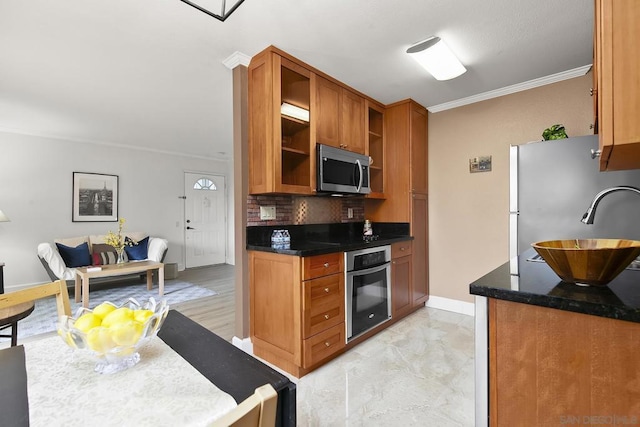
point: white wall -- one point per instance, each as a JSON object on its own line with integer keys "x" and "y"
{"x": 35, "y": 193}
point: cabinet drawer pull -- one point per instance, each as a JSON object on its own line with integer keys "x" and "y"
{"x": 403, "y": 248}
{"x": 327, "y": 344}
{"x": 326, "y": 290}
{"x": 326, "y": 264}
{"x": 326, "y": 316}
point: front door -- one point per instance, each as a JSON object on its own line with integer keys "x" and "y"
{"x": 205, "y": 219}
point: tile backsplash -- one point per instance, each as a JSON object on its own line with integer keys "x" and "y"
{"x": 294, "y": 210}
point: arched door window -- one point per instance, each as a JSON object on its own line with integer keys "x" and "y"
{"x": 204, "y": 184}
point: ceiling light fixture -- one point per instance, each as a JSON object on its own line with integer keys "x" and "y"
{"x": 207, "y": 6}
{"x": 436, "y": 57}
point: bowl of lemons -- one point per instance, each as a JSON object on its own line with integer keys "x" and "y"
{"x": 114, "y": 333}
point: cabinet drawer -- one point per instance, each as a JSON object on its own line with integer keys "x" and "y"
{"x": 322, "y": 265}
{"x": 400, "y": 249}
{"x": 323, "y": 304}
{"x": 323, "y": 345}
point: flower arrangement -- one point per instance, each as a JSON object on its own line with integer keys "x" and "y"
{"x": 118, "y": 241}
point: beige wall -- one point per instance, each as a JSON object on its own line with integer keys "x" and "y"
{"x": 468, "y": 213}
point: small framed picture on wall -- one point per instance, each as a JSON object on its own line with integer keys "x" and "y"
{"x": 95, "y": 197}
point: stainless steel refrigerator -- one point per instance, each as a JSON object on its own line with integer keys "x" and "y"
{"x": 552, "y": 183}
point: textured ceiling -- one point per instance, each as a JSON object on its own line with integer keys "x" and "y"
{"x": 149, "y": 73}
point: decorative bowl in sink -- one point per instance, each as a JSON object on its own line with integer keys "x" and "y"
{"x": 594, "y": 262}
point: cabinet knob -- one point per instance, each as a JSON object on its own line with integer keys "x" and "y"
{"x": 326, "y": 290}
{"x": 403, "y": 248}
{"x": 393, "y": 262}
{"x": 326, "y": 264}
{"x": 595, "y": 153}
{"x": 326, "y": 316}
{"x": 327, "y": 344}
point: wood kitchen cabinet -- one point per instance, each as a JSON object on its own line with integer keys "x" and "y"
{"x": 280, "y": 149}
{"x": 406, "y": 193}
{"x": 616, "y": 83}
{"x": 401, "y": 272}
{"x": 375, "y": 148}
{"x": 405, "y": 153}
{"x": 297, "y": 309}
{"x": 555, "y": 367}
{"x": 418, "y": 144}
{"x": 339, "y": 116}
{"x": 420, "y": 244}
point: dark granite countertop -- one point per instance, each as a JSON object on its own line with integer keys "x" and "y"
{"x": 318, "y": 239}
{"x": 535, "y": 283}
{"x": 306, "y": 248}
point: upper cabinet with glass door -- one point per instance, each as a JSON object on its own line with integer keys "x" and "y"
{"x": 375, "y": 144}
{"x": 280, "y": 149}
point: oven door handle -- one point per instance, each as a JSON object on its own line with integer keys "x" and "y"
{"x": 375, "y": 269}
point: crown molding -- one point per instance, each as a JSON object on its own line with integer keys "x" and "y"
{"x": 110, "y": 144}
{"x": 235, "y": 59}
{"x": 519, "y": 87}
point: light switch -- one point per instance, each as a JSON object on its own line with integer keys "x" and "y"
{"x": 267, "y": 212}
{"x": 349, "y": 212}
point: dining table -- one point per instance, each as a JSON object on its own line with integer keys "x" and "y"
{"x": 187, "y": 375}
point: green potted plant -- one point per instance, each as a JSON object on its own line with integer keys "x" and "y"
{"x": 554, "y": 132}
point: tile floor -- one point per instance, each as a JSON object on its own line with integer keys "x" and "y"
{"x": 418, "y": 372}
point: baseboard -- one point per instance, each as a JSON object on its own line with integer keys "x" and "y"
{"x": 243, "y": 344}
{"x": 454, "y": 305}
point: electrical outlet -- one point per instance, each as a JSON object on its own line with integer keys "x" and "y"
{"x": 267, "y": 212}
{"x": 349, "y": 212}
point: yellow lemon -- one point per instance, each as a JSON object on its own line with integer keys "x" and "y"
{"x": 103, "y": 309}
{"x": 142, "y": 315}
{"x": 86, "y": 322}
{"x": 118, "y": 315}
{"x": 126, "y": 333}
{"x": 99, "y": 340}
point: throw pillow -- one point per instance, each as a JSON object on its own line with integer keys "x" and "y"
{"x": 75, "y": 257}
{"x": 104, "y": 254}
{"x": 139, "y": 250}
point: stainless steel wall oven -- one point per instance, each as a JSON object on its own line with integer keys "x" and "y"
{"x": 368, "y": 289}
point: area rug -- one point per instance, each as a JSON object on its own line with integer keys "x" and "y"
{"x": 44, "y": 316}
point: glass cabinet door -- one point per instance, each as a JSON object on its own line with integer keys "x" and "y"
{"x": 295, "y": 132}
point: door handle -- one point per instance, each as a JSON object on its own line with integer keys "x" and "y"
{"x": 190, "y": 228}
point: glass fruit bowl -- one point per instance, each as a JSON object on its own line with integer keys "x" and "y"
{"x": 113, "y": 333}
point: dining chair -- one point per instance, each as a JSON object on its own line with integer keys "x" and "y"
{"x": 17, "y": 305}
{"x": 257, "y": 410}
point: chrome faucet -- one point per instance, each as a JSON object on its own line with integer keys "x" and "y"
{"x": 590, "y": 214}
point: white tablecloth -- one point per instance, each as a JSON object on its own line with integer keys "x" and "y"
{"x": 163, "y": 389}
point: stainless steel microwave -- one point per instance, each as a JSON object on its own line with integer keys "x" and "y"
{"x": 341, "y": 171}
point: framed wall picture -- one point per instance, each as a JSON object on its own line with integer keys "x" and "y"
{"x": 95, "y": 197}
